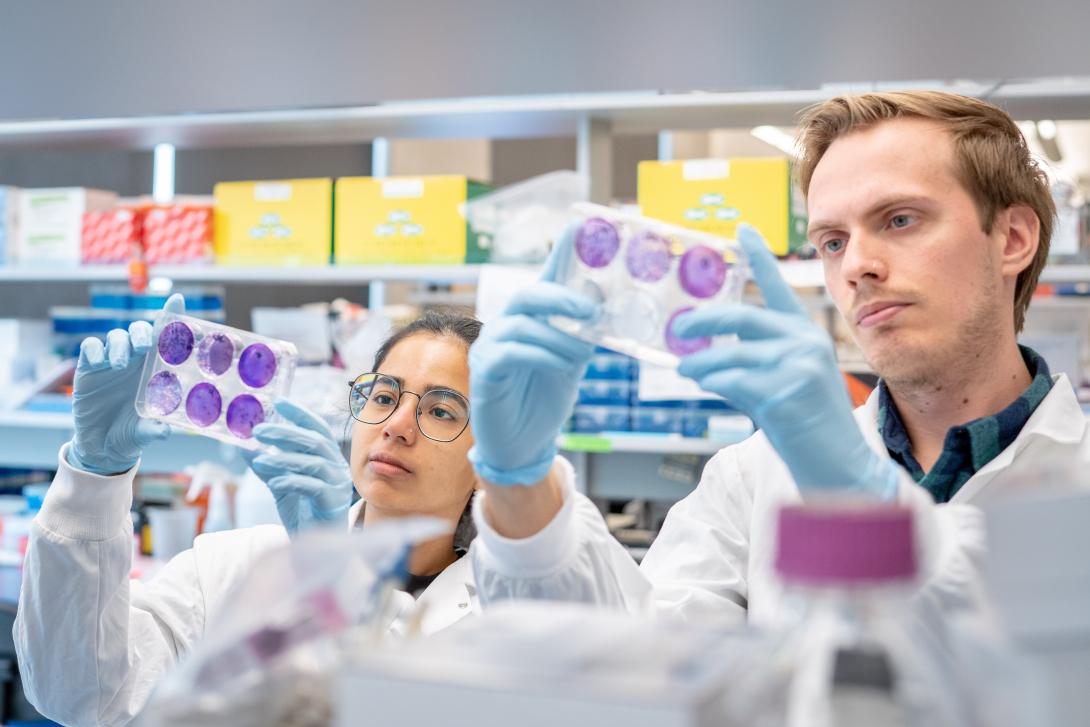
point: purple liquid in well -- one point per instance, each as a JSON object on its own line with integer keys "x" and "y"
{"x": 203, "y": 405}
{"x": 215, "y": 353}
{"x": 684, "y": 346}
{"x": 702, "y": 272}
{"x": 243, "y": 414}
{"x": 648, "y": 257}
{"x": 175, "y": 343}
{"x": 257, "y": 365}
{"x": 164, "y": 393}
{"x": 597, "y": 242}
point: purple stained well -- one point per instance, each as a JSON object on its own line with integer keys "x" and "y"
{"x": 702, "y": 271}
{"x": 257, "y": 365}
{"x": 648, "y": 257}
{"x": 243, "y": 414}
{"x": 204, "y": 404}
{"x": 164, "y": 393}
{"x": 597, "y": 242}
{"x": 215, "y": 353}
{"x": 175, "y": 343}
{"x": 684, "y": 346}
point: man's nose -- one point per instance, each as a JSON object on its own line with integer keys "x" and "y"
{"x": 865, "y": 259}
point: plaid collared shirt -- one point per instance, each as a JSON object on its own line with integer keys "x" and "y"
{"x": 967, "y": 447}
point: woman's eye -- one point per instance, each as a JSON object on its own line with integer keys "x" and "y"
{"x": 441, "y": 414}
{"x": 901, "y": 220}
{"x": 384, "y": 399}
{"x": 835, "y": 245}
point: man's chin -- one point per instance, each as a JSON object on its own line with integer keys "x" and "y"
{"x": 904, "y": 365}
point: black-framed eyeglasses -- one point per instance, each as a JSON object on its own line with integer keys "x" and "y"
{"x": 441, "y": 414}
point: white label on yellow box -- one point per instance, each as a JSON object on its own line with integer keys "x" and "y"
{"x": 395, "y": 188}
{"x": 272, "y": 192}
{"x": 699, "y": 169}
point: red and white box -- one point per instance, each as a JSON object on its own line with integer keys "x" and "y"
{"x": 111, "y": 237}
{"x": 178, "y": 234}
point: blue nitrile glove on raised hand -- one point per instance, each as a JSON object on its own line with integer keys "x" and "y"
{"x": 110, "y": 436}
{"x": 523, "y": 379}
{"x": 783, "y": 374}
{"x": 309, "y": 477}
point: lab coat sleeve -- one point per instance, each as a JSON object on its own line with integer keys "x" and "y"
{"x": 574, "y": 558}
{"x": 92, "y": 645}
{"x": 699, "y": 561}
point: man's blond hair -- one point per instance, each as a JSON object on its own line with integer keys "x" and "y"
{"x": 994, "y": 163}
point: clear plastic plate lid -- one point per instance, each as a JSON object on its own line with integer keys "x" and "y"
{"x": 641, "y": 274}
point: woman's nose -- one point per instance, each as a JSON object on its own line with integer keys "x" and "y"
{"x": 402, "y": 423}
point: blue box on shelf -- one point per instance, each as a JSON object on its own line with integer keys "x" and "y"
{"x": 604, "y": 392}
{"x": 609, "y": 366}
{"x": 658, "y": 419}
{"x": 594, "y": 419}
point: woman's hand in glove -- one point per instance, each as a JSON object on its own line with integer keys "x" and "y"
{"x": 309, "y": 477}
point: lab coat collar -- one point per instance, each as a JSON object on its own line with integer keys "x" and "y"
{"x": 1058, "y": 418}
{"x": 450, "y": 597}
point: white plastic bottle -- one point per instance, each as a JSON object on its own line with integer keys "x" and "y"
{"x": 848, "y": 650}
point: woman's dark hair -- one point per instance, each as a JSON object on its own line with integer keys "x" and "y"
{"x": 444, "y": 325}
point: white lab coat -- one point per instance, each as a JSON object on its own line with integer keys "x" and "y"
{"x": 713, "y": 559}
{"x": 92, "y": 644}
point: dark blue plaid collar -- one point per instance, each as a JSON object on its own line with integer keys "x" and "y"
{"x": 967, "y": 447}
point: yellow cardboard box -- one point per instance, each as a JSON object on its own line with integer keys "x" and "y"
{"x": 714, "y": 195}
{"x": 412, "y": 220}
{"x": 287, "y": 222}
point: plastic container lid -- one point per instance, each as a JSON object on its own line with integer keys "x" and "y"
{"x": 845, "y": 544}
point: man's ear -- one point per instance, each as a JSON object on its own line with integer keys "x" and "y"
{"x": 1022, "y": 236}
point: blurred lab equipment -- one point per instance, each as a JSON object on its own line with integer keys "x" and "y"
{"x": 172, "y": 530}
{"x": 269, "y": 657}
{"x": 523, "y": 220}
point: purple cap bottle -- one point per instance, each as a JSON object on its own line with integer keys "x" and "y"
{"x": 204, "y": 404}
{"x": 702, "y": 271}
{"x": 684, "y": 346}
{"x": 175, "y": 343}
{"x": 257, "y": 365}
{"x": 648, "y": 257}
{"x": 845, "y": 545}
{"x": 243, "y": 414}
{"x": 164, "y": 393}
{"x": 597, "y": 242}
{"x": 215, "y": 354}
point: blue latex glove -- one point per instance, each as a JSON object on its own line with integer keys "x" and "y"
{"x": 110, "y": 436}
{"x": 523, "y": 379}
{"x": 309, "y": 477}
{"x": 783, "y": 374}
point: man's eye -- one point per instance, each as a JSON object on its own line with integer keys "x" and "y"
{"x": 834, "y": 245}
{"x": 901, "y": 220}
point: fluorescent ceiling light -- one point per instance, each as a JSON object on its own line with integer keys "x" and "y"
{"x": 1047, "y": 129}
{"x": 162, "y": 178}
{"x": 777, "y": 138}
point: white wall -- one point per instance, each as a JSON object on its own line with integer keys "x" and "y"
{"x": 65, "y": 58}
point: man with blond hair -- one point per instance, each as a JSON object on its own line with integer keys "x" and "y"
{"x": 932, "y": 221}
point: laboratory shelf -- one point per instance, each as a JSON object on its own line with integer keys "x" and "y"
{"x": 501, "y": 117}
{"x": 311, "y": 275}
{"x": 32, "y": 440}
{"x": 1065, "y": 274}
{"x": 671, "y": 444}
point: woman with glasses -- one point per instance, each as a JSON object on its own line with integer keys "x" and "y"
{"x": 92, "y": 644}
